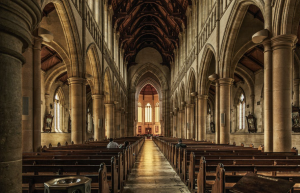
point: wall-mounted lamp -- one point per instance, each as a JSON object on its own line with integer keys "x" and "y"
{"x": 260, "y": 36}
{"x": 194, "y": 94}
{"x": 213, "y": 77}
{"x": 45, "y": 34}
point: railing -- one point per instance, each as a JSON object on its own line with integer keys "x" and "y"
{"x": 208, "y": 28}
{"x": 97, "y": 35}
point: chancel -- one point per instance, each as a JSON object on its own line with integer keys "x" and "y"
{"x": 222, "y": 76}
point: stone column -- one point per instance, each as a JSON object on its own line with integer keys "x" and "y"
{"x": 76, "y": 105}
{"x": 202, "y": 115}
{"x": 47, "y": 104}
{"x": 18, "y": 19}
{"x": 182, "y": 124}
{"x": 225, "y": 90}
{"x": 174, "y": 125}
{"x": 37, "y": 111}
{"x": 27, "y": 88}
{"x": 190, "y": 121}
{"x": 98, "y": 117}
{"x": 84, "y": 111}
{"x": 117, "y": 123}
{"x": 282, "y": 47}
{"x": 296, "y": 93}
{"x": 109, "y": 113}
{"x": 122, "y": 133}
{"x": 126, "y": 124}
{"x": 217, "y": 113}
{"x": 268, "y": 114}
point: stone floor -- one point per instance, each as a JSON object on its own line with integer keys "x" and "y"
{"x": 153, "y": 173}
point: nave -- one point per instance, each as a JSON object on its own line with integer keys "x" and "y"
{"x": 152, "y": 173}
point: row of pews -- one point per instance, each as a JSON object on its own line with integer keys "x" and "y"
{"x": 208, "y": 167}
{"x": 108, "y": 168}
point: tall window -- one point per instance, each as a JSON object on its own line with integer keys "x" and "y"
{"x": 57, "y": 114}
{"x": 157, "y": 112}
{"x": 242, "y": 112}
{"x": 140, "y": 113}
{"x": 148, "y": 113}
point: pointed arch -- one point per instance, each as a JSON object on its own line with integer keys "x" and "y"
{"x": 71, "y": 32}
{"x": 191, "y": 85}
{"x": 149, "y": 68}
{"x": 93, "y": 76}
{"x": 206, "y": 61}
{"x": 231, "y": 33}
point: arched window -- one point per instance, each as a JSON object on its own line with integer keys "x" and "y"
{"x": 58, "y": 108}
{"x": 140, "y": 113}
{"x": 157, "y": 112}
{"x": 242, "y": 112}
{"x": 148, "y": 113}
{"x": 57, "y": 114}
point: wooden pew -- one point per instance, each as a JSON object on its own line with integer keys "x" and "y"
{"x": 84, "y": 159}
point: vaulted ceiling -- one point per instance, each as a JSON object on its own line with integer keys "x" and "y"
{"x": 149, "y": 23}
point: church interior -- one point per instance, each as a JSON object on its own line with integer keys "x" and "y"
{"x": 222, "y": 76}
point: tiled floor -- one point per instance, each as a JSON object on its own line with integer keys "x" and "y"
{"x": 153, "y": 173}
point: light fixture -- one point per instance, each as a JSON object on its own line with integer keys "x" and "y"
{"x": 194, "y": 94}
{"x": 213, "y": 77}
{"x": 45, "y": 34}
{"x": 260, "y": 36}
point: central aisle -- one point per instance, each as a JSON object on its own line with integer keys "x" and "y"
{"x": 153, "y": 173}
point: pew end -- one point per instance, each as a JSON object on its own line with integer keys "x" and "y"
{"x": 103, "y": 184}
{"x": 219, "y": 185}
{"x": 201, "y": 177}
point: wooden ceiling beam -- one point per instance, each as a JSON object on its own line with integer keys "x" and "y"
{"x": 254, "y": 60}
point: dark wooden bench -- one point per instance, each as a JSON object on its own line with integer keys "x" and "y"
{"x": 82, "y": 159}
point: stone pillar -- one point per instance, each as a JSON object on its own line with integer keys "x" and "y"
{"x": 98, "y": 117}
{"x": 84, "y": 111}
{"x": 202, "y": 115}
{"x": 37, "y": 111}
{"x": 268, "y": 114}
{"x": 117, "y": 121}
{"x": 18, "y": 19}
{"x": 282, "y": 47}
{"x": 182, "y": 124}
{"x": 126, "y": 124}
{"x": 217, "y": 113}
{"x": 27, "y": 88}
{"x": 175, "y": 125}
{"x": 122, "y": 133}
{"x": 296, "y": 93}
{"x": 76, "y": 105}
{"x": 109, "y": 113}
{"x": 190, "y": 121}
{"x": 47, "y": 104}
{"x": 225, "y": 90}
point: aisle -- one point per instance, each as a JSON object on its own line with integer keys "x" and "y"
{"x": 153, "y": 173}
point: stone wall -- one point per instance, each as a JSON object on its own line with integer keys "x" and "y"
{"x": 54, "y": 138}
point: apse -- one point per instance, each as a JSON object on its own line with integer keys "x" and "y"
{"x": 148, "y": 119}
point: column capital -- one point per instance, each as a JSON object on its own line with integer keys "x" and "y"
{"x": 225, "y": 81}
{"x": 109, "y": 104}
{"x": 190, "y": 105}
{"x": 283, "y": 41}
{"x": 202, "y": 96}
{"x": 76, "y": 80}
{"x": 47, "y": 96}
{"x": 37, "y": 42}
{"x": 97, "y": 96}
